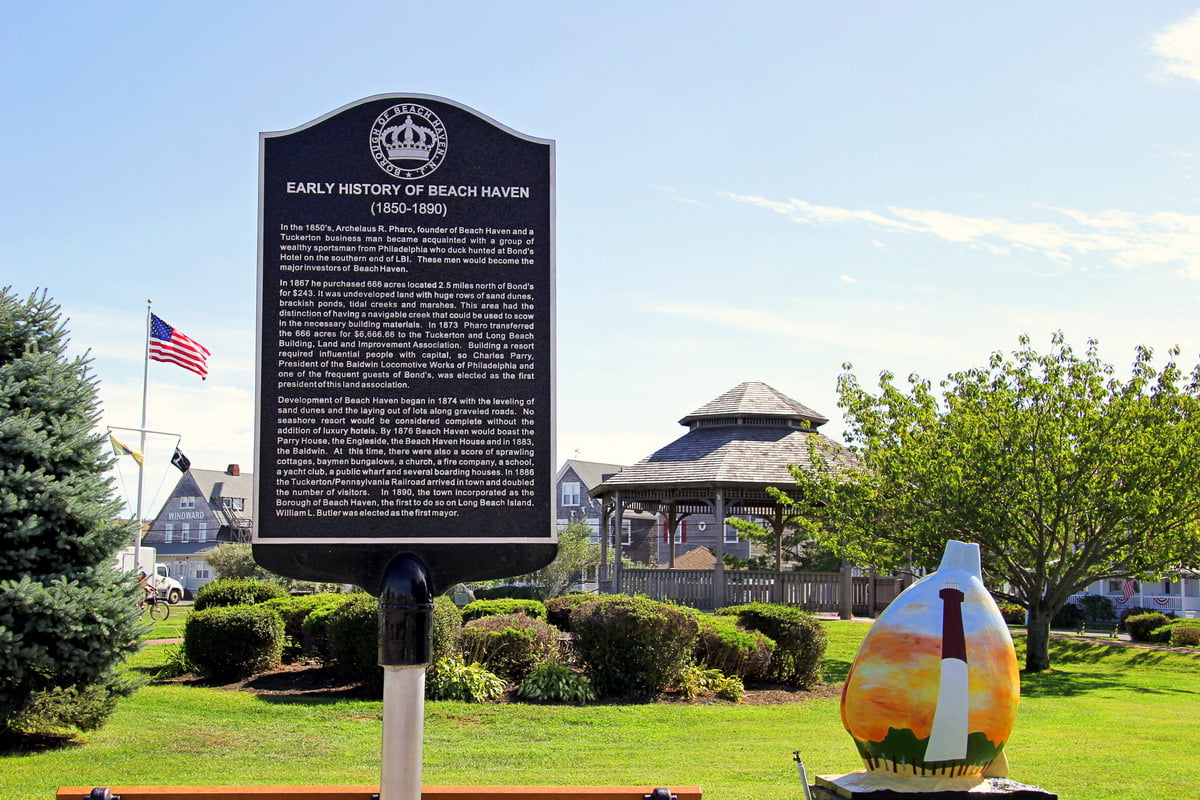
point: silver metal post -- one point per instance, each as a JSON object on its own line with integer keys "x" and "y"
{"x": 405, "y": 645}
{"x": 403, "y": 731}
{"x": 803, "y": 775}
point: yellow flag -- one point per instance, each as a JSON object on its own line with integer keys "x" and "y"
{"x": 121, "y": 450}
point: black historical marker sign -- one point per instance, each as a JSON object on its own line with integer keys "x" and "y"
{"x": 405, "y": 344}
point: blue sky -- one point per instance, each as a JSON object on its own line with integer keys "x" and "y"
{"x": 759, "y": 191}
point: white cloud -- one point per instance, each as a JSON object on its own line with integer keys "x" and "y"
{"x": 800, "y": 211}
{"x": 677, "y": 196}
{"x": 849, "y": 279}
{"x": 1072, "y": 238}
{"x": 1180, "y": 46}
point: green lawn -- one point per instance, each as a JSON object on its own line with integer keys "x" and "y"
{"x": 172, "y": 626}
{"x": 1109, "y": 722}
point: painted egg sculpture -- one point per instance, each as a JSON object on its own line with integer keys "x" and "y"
{"x": 934, "y": 688}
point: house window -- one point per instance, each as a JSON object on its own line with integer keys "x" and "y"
{"x": 570, "y": 493}
{"x": 202, "y": 573}
{"x": 680, "y": 531}
{"x": 202, "y": 532}
{"x": 627, "y": 532}
{"x": 169, "y": 533}
{"x": 594, "y": 524}
{"x": 731, "y": 534}
{"x": 185, "y": 532}
{"x": 187, "y": 502}
{"x": 235, "y": 503}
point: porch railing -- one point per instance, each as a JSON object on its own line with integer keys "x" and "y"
{"x": 1183, "y": 606}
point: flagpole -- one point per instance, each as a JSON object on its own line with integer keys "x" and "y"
{"x": 137, "y": 536}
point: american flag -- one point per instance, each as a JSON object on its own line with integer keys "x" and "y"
{"x": 169, "y": 345}
{"x": 1128, "y": 589}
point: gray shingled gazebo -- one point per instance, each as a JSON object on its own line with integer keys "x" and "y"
{"x": 736, "y": 446}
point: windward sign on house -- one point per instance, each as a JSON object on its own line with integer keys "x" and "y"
{"x": 405, "y": 394}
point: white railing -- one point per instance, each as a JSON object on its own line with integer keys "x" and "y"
{"x": 1182, "y": 606}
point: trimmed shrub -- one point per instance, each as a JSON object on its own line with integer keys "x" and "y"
{"x": 723, "y": 646}
{"x": 314, "y": 630}
{"x": 236, "y": 592}
{"x": 233, "y": 642}
{"x": 451, "y": 679}
{"x": 1097, "y": 607}
{"x": 447, "y": 629}
{"x": 556, "y": 683}
{"x": 1013, "y": 614}
{"x": 294, "y": 609}
{"x": 1134, "y": 611}
{"x": 799, "y": 640}
{"x": 493, "y": 608}
{"x": 509, "y": 592}
{"x": 1139, "y": 626}
{"x": 1164, "y": 633}
{"x": 633, "y": 645}
{"x": 1185, "y": 636}
{"x": 354, "y": 640}
{"x": 509, "y": 645}
{"x": 560, "y": 609}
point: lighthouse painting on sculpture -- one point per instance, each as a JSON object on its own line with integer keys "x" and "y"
{"x": 933, "y": 690}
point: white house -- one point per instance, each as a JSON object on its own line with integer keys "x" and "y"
{"x": 1180, "y": 595}
{"x": 206, "y": 507}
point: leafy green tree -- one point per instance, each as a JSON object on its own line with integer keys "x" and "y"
{"x": 796, "y": 545}
{"x": 67, "y": 616}
{"x": 576, "y": 554}
{"x": 1062, "y": 472}
{"x": 236, "y": 560}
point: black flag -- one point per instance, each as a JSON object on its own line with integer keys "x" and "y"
{"x": 181, "y": 461}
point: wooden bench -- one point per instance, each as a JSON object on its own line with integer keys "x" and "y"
{"x": 1105, "y": 627}
{"x": 370, "y": 792}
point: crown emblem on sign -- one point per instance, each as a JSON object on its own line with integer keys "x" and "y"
{"x": 409, "y": 140}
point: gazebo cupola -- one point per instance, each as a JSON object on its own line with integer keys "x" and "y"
{"x": 754, "y": 403}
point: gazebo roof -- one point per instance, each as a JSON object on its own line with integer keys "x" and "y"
{"x": 746, "y": 438}
{"x": 753, "y": 399}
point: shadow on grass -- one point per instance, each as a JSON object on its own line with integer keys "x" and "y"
{"x": 144, "y": 673}
{"x": 1087, "y": 651}
{"x": 1064, "y": 683}
{"x": 35, "y": 743}
{"x": 1054, "y": 683}
{"x": 836, "y": 670}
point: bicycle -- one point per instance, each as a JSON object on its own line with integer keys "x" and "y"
{"x": 159, "y": 610}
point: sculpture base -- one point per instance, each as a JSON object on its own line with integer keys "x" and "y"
{"x": 863, "y": 785}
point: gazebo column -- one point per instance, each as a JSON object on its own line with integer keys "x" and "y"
{"x": 719, "y": 597}
{"x": 847, "y": 585}
{"x": 617, "y": 519}
{"x": 777, "y": 525}
{"x": 672, "y": 521}
{"x": 602, "y": 575}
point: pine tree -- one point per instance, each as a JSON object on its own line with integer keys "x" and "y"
{"x": 67, "y": 617}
